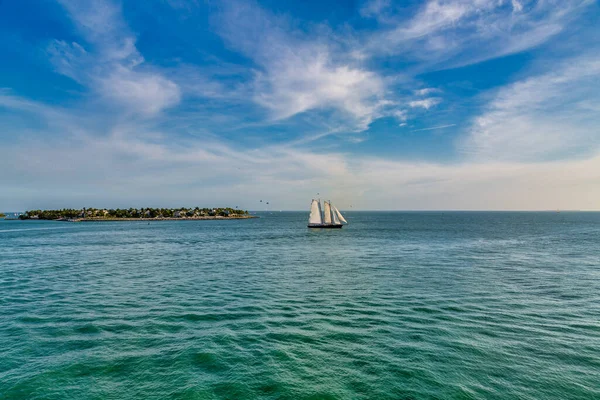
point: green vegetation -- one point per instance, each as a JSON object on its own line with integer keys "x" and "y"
{"x": 2, "y": 215}
{"x": 141, "y": 213}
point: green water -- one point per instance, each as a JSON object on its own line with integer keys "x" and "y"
{"x": 393, "y": 306}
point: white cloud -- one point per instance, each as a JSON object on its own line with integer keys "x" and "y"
{"x": 374, "y": 8}
{"x": 298, "y": 84}
{"x": 517, "y": 6}
{"x": 147, "y": 93}
{"x": 541, "y": 118}
{"x": 68, "y": 58}
{"x": 299, "y": 73}
{"x": 102, "y": 25}
{"x": 426, "y": 91}
{"x": 400, "y": 115}
{"x": 437, "y": 15}
{"x": 451, "y": 33}
{"x": 425, "y": 103}
{"x": 112, "y": 66}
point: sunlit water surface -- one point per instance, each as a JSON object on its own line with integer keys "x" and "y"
{"x": 433, "y": 305}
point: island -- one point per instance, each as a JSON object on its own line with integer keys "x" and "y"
{"x": 137, "y": 214}
{"x": 2, "y": 215}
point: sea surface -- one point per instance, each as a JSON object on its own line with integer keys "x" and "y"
{"x": 403, "y": 305}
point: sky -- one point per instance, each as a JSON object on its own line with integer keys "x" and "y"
{"x": 375, "y": 104}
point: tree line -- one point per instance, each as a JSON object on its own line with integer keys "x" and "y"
{"x": 146, "y": 212}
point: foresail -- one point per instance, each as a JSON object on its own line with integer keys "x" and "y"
{"x": 327, "y": 213}
{"x": 334, "y": 217}
{"x": 315, "y": 213}
{"x": 339, "y": 215}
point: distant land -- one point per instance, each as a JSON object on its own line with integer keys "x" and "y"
{"x": 136, "y": 214}
{"x": 2, "y": 215}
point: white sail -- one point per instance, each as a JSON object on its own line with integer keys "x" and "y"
{"x": 327, "y": 213}
{"x": 315, "y": 213}
{"x": 334, "y": 217}
{"x": 339, "y": 215}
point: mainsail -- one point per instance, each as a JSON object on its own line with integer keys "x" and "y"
{"x": 338, "y": 214}
{"x": 327, "y": 213}
{"x": 315, "y": 213}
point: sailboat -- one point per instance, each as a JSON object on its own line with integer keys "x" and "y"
{"x": 329, "y": 217}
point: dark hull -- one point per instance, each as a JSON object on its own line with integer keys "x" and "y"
{"x": 324, "y": 226}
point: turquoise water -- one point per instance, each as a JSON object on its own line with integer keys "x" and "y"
{"x": 393, "y": 306}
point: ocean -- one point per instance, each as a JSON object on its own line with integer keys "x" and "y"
{"x": 397, "y": 305}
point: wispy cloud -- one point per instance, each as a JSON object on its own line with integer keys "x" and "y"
{"x": 400, "y": 115}
{"x": 147, "y": 93}
{"x": 541, "y": 118}
{"x": 450, "y": 33}
{"x": 297, "y": 72}
{"x": 112, "y": 66}
{"x": 374, "y": 8}
{"x": 517, "y": 6}
{"x": 426, "y": 91}
{"x": 433, "y": 127}
{"x": 425, "y": 103}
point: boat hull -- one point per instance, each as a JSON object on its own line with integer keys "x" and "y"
{"x": 326, "y": 226}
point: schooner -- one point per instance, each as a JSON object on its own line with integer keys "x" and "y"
{"x": 329, "y": 217}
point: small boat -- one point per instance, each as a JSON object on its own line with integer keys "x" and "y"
{"x": 329, "y": 218}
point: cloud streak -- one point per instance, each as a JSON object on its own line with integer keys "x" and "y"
{"x": 433, "y": 128}
{"x": 452, "y": 33}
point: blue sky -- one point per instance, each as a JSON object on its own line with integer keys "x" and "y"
{"x": 437, "y": 104}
